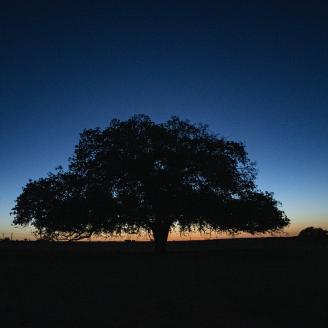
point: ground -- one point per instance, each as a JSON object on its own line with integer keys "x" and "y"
{"x": 277, "y": 282}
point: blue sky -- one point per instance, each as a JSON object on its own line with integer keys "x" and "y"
{"x": 255, "y": 72}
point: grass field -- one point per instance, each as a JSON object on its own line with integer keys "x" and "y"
{"x": 277, "y": 282}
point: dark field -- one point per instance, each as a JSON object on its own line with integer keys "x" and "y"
{"x": 226, "y": 283}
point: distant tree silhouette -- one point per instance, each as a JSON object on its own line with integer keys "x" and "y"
{"x": 313, "y": 233}
{"x": 137, "y": 175}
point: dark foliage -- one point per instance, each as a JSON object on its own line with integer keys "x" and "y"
{"x": 313, "y": 233}
{"x": 137, "y": 175}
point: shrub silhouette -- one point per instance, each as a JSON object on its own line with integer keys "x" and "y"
{"x": 313, "y": 233}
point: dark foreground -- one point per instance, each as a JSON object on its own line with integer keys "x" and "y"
{"x": 227, "y": 283}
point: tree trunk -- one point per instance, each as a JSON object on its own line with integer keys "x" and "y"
{"x": 160, "y": 233}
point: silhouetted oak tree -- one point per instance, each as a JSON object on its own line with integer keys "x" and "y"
{"x": 137, "y": 175}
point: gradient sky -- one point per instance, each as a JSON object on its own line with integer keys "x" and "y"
{"x": 255, "y": 72}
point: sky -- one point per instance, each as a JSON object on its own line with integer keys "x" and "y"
{"x": 255, "y": 71}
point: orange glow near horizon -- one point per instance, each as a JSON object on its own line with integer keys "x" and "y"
{"x": 292, "y": 230}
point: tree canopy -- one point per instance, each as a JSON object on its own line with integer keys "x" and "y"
{"x": 141, "y": 176}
